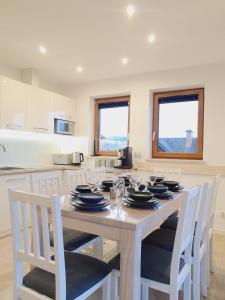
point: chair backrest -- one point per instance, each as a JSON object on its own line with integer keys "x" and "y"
{"x": 185, "y": 230}
{"x": 74, "y": 178}
{"x": 40, "y": 256}
{"x": 213, "y": 198}
{"x": 200, "y": 236}
{"x": 47, "y": 183}
{"x": 97, "y": 172}
{"x": 168, "y": 173}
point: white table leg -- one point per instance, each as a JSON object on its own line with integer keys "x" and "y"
{"x": 130, "y": 264}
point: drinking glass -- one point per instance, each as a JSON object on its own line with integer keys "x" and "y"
{"x": 152, "y": 179}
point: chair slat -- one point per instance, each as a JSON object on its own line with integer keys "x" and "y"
{"x": 25, "y": 224}
{"x": 45, "y": 232}
{"x": 35, "y": 230}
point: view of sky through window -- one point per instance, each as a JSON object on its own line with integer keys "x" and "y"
{"x": 178, "y": 126}
{"x": 113, "y": 128}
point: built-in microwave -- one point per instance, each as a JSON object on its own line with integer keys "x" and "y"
{"x": 65, "y": 127}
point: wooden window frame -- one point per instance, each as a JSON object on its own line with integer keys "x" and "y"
{"x": 97, "y": 152}
{"x": 155, "y": 128}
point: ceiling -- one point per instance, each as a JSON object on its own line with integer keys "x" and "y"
{"x": 97, "y": 34}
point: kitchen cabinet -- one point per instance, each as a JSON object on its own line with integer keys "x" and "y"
{"x": 14, "y": 104}
{"x": 41, "y": 103}
{"x": 66, "y": 105}
{"x": 20, "y": 182}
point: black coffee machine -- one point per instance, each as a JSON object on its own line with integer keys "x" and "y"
{"x": 124, "y": 160}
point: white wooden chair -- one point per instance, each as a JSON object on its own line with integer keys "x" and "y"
{"x": 210, "y": 222}
{"x": 57, "y": 277}
{"x": 168, "y": 173}
{"x": 48, "y": 183}
{"x": 161, "y": 269}
{"x": 73, "y": 178}
{"x": 165, "y": 238}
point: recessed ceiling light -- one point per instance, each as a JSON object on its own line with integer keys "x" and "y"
{"x": 124, "y": 60}
{"x": 130, "y": 10}
{"x": 151, "y": 38}
{"x": 42, "y": 49}
{"x": 79, "y": 69}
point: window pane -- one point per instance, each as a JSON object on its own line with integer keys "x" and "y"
{"x": 113, "y": 128}
{"x": 178, "y": 127}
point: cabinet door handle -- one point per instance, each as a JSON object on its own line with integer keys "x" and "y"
{"x": 13, "y": 126}
{"x": 40, "y": 129}
{"x": 16, "y": 179}
{"x": 153, "y": 136}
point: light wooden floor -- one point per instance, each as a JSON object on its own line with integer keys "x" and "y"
{"x": 216, "y": 291}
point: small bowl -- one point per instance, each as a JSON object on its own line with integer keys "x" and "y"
{"x": 157, "y": 188}
{"x": 83, "y": 188}
{"x": 89, "y": 198}
{"x": 141, "y": 196}
{"x": 170, "y": 183}
{"x": 108, "y": 183}
{"x": 159, "y": 179}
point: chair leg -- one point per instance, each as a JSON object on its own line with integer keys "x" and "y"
{"x": 187, "y": 287}
{"x": 106, "y": 288}
{"x": 144, "y": 292}
{"x": 204, "y": 276}
{"x": 98, "y": 248}
{"x": 114, "y": 286}
{"x": 196, "y": 279}
{"x": 211, "y": 255}
{"x": 173, "y": 295}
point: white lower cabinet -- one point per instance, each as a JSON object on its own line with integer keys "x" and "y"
{"x": 20, "y": 182}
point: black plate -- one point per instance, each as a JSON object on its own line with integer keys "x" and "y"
{"x": 170, "y": 183}
{"x": 142, "y": 204}
{"x": 81, "y": 203}
{"x": 147, "y": 203}
{"x": 157, "y": 188}
{"x": 166, "y": 195}
{"x": 83, "y": 188}
{"x": 141, "y": 196}
{"x": 89, "y": 207}
{"x": 90, "y": 198}
{"x": 177, "y": 188}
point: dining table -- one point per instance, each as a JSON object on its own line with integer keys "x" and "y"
{"x": 127, "y": 226}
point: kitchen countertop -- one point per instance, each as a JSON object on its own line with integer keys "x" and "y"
{"x": 40, "y": 169}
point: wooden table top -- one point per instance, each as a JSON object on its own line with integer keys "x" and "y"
{"x": 124, "y": 217}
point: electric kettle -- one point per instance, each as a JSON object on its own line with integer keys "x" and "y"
{"x": 78, "y": 158}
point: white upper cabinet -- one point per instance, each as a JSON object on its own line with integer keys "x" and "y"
{"x": 26, "y": 107}
{"x": 39, "y": 106}
{"x": 66, "y": 105}
{"x": 14, "y": 105}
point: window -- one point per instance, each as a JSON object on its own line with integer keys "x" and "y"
{"x": 178, "y": 119}
{"x": 111, "y": 125}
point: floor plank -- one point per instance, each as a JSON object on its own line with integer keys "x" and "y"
{"x": 216, "y": 291}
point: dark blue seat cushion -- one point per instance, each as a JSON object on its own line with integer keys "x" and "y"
{"x": 73, "y": 239}
{"x": 170, "y": 223}
{"x": 82, "y": 273}
{"x": 163, "y": 238}
{"x": 155, "y": 263}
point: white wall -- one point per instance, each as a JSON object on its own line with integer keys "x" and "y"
{"x": 45, "y": 82}
{"x": 141, "y": 87}
{"x": 26, "y": 149}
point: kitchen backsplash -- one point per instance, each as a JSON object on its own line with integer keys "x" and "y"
{"x": 25, "y": 149}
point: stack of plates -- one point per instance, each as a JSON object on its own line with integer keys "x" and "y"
{"x": 173, "y": 186}
{"x": 141, "y": 200}
{"x": 161, "y": 192}
{"x": 89, "y": 202}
